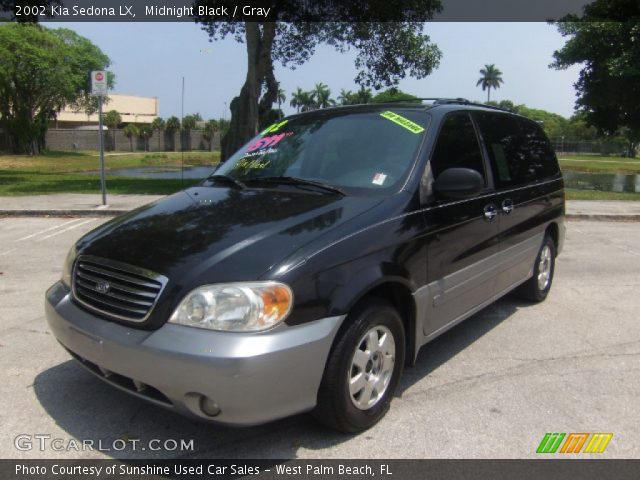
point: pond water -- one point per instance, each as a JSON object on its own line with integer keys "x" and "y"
{"x": 603, "y": 182}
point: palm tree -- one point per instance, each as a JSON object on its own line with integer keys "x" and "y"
{"x": 346, "y": 97}
{"x": 209, "y": 131}
{"x": 145, "y": 132}
{"x": 308, "y": 102}
{"x": 281, "y": 97}
{"x": 112, "y": 119}
{"x": 130, "y": 131}
{"x": 296, "y": 98}
{"x": 364, "y": 95}
{"x": 172, "y": 124}
{"x": 491, "y": 78}
{"x": 158, "y": 125}
{"x": 322, "y": 96}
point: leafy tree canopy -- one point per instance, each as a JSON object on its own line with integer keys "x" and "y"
{"x": 392, "y": 95}
{"x": 387, "y": 51}
{"x": 605, "y": 40}
{"x": 41, "y": 70}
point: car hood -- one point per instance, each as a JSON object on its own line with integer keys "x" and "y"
{"x": 210, "y": 234}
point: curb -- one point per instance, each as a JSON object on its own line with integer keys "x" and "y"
{"x": 603, "y": 217}
{"x": 61, "y": 213}
{"x": 113, "y": 213}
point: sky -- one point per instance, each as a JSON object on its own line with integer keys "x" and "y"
{"x": 150, "y": 59}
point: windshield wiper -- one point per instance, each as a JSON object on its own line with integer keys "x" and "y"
{"x": 302, "y": 182}
{"x": 227, "y": 179}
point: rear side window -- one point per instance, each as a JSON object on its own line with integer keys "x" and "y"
{"x": 518, "y": 149}
{"x": 457, "y": 146}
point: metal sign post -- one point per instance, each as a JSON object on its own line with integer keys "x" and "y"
{"x": 103, "y": 184}
{"x": 99, "y": 88}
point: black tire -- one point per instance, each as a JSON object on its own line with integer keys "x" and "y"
{"x": 336, "y": 408}
{"x": 531, "y": 290}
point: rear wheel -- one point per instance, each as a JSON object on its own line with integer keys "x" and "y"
{"x": 537, "y": 287}
{"x": 363, "y": 370}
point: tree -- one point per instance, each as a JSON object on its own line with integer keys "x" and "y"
{"x": 112, "y": 119}
{"x": 392, "y": 95}
{"x": 491, "y": 78}
{"x": 209, "y": 131}
{"x": 321, "y": 95}
{"x": 41, "y": 71}
{"x": 145, "y": 132}
{"x": 189, "y": 122}
{"x": 281, "y": 98}
{"x": 346, "y": 97}
{"x": 387, "y": 51}
{"x": 223, "y": 124}
{"x": 605, "y": 41}
{"x": 130, "y": 131}
{"x": 297, "y": 99}
{"x": 171, "y": 126}
{"x": 158, "y": 125}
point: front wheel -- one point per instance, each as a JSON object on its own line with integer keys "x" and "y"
{"x": 537, "y": 287}
{"x": 363, "y": 369}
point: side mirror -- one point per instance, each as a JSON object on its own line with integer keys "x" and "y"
{"x": 459, "y": 183}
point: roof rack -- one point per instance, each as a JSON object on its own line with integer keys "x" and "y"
{"x": 450, "y": 101}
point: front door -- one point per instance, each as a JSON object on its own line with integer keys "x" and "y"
{"x": 464, "y": 232}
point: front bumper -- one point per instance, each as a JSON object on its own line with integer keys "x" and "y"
{"x": 252, "y": 377}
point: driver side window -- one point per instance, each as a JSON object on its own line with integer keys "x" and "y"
{"x": 457, "y": 146}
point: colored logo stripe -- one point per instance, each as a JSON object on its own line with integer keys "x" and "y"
{"x": 574, "y": 442}
{"x": 550, "y": 443}
{"x": 598, "y": 442}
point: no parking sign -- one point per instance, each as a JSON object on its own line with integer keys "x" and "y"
{"x": 99, "y": 82}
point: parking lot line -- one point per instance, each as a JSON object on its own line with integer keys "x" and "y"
{"x": 47, "y": 230}
{"x": 65, "y": 230}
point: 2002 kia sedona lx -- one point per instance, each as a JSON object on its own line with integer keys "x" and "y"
{"x": 311, "y": 266}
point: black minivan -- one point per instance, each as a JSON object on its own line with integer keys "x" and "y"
{"x": 307, "y": 271}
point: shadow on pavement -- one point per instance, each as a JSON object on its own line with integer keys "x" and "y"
{"x": 88, "y": 409}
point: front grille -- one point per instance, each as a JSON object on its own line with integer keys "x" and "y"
{"x": 115, "y": 289}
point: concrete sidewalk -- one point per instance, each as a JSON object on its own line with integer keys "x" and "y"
{"x": 76, "y": 204}
{"x": 73, "y": 204}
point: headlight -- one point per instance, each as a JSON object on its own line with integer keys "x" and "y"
{"x": 68, "y": 266}
{"x": 235, "y": 307}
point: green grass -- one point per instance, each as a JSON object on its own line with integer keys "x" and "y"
{"x": 595, "y": 195}
{"x": 596, "y": 164}
{"x": 64, "y": 172}
{"x": 17, "y": 183}
{"x": 73, "y": 162}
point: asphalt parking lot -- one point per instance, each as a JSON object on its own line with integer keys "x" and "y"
{"x": 489, "y": 388}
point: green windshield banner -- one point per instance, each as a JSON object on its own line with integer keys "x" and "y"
{"x": 403, "y": 122}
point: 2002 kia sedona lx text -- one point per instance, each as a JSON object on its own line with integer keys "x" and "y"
{"x": 307, "y": 271}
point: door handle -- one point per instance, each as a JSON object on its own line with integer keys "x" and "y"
{"x": 507, "y": 206}
{"x": 490, "y": 212}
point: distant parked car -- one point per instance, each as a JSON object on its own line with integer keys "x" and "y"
{"x": 307, "y": 271}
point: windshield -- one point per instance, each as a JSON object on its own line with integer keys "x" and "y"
{"x": 370, "y": 150}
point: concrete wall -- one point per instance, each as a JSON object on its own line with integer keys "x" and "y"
{"x": 69, "y": 140}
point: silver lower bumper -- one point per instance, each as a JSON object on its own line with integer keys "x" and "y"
{"x": 252, "y": 377}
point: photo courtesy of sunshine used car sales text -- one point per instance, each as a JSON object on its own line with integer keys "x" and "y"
{"x": 210, "y": 470}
